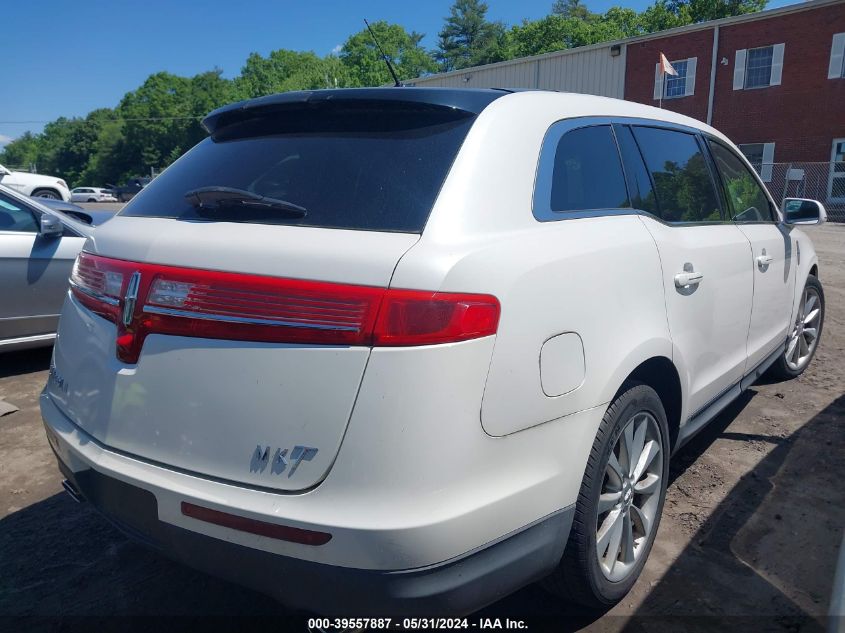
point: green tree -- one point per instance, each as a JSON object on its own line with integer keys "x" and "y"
{"x": 109, "y": 162}
{"x": 468, "y": 38}
{"x": 284, "y": 70}
{"x": 156, "y": 118}
{"x": 21, "y": 152}
{"x": 571, "y": 9}
{"x": 365, "y": 66}
{"x": 703, "y": 10}
{"x": 555, "y": 32}
{"x": 660, "y": 16}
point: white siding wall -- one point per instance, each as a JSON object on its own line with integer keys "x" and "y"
{"x": 591, "y": 71}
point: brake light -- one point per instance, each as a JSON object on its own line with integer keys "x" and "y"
{"x": 414, "y": 317}
{"x": 143, "y": 299}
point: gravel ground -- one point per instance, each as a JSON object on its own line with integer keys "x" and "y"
{"x": 752, "y": 523}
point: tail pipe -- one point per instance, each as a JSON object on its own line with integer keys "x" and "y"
{"x": 72, "y": 491}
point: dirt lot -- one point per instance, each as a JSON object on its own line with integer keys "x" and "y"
{"x": 750, "y": 532}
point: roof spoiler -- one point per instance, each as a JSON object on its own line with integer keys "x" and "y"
{"x": 464, "y": 100}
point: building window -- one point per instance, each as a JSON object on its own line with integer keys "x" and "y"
{"x": 758, "y": 67}
{"x": 761, "y": 156}
{"x": 836, "y": 70}
{"x": 676, "y": 86}
{"x": 672, "y": 87}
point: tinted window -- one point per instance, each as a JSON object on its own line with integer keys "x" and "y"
{"x": 16, "y": 217}
{"x": 639, "y": 183}
{"x": 747, "y": 202}
{"x": 587, "y": 172}
{"x": 682, "y": 180}
{"x": 363, "y": 167}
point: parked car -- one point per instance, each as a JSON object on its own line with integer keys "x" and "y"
{"x": 35, "y": 185}
{"x": 423, "y": 346}
{"x": 92, "y": 194}
{"x": 128, "y": 191}
{"x": 38, "y": 247}
{"x": 91, "y": 217}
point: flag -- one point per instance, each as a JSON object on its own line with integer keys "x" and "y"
{"x": 666, "y": 67}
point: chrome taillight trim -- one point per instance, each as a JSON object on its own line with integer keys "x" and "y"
{"x": 95, "y": 295}
{"x": 247, "y": 320}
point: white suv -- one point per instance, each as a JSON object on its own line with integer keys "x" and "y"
{"x": 35, "y": 185}
{"x": 91, "y": 194}
{"x": 407, "y": 350}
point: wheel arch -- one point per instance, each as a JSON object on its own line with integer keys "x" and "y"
{"x": 50, "y": 189}
{"x": 660, "y": 373}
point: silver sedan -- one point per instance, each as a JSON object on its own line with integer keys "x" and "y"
{"x": 37, "y": 249}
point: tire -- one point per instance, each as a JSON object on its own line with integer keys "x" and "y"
{"x": 794, "y": 361}
{"x": 92, "y": 200}
{"x": 46, "y": 193}
{"x": 581, "y": 577}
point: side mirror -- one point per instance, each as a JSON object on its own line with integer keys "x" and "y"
{"x": 803, "y": 211}
{"x": 51, "y": 226}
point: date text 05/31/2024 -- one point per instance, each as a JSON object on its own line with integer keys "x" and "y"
{"x": 341, "y": 624}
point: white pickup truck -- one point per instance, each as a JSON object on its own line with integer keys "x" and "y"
{"x": 35, "y": 185}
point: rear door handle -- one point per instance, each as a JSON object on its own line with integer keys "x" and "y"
{"x": 690, "y": 278}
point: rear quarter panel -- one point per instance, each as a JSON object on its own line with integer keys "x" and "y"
{"x": 599, "y": 277}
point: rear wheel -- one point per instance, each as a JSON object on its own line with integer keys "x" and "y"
{"x": 620, "y": 502}
{"x": 92, "y": 200}
{"x": 46, "y": 193}
{"x": 805, "y": 333}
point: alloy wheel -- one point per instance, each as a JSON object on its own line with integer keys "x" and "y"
{"x": 630, "y": 497}
{"x": 805, "y": 332}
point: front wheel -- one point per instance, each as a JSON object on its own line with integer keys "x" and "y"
{"x": 805, "y": 332}
{"x": 619, "y": 504}
{"x": 46, "y": 193}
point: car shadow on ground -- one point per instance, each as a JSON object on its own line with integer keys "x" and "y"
{"x": 25, "y": 362}
{"x": 723, "y": 576}
{"x": 60, "y": 559}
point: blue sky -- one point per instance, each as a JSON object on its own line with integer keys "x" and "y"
{"x": 64, "y": 58}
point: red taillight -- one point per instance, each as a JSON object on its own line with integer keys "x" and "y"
{"x": 147, "y": 299}
{"x": 414, "y": 317}
{"x": 253, "y": 526}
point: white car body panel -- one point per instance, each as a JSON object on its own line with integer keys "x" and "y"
{"x": 774, "y": 287}
{"x": 281, "y": 383}
{"x": 417, "y": 482}
{"x": 29, "y": 184}
{"x": 708, "y": 323}
{"x": 425, "y": 453}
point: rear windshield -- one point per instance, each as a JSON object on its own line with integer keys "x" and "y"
{"x": 366, "y": 168}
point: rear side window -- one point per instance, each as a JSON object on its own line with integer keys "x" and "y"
{"x": 747, "y": 202}
{"x": 364, "y": 167}
{"x": 587, "y": 172}
{"x": 682, "y": 180}
{"x": 639, "y": 182}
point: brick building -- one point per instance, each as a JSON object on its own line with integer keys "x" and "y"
{"x": 773, "y": 81}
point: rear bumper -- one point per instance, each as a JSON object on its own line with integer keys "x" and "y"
{"x": 458, "y": 585}
{"x": 454, "y": 587}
